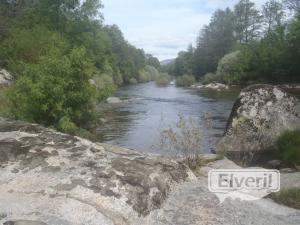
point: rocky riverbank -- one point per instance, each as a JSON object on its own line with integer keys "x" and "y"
{"x": 52, "y": 178}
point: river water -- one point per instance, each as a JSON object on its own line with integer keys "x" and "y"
{"x": 149, "y": 109}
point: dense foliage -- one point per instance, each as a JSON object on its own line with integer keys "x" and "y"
{"x": 244, "y": 44}
{"x": 185, "y": 80}
{"x": 64, "y": 59}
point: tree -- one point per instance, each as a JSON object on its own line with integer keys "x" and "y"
{"x": 10, "y": 10}
{"x": 273, "y": 15}
{"x": 57, "y": 88}
{"x": 293, "y": 49}
{"x": 183, "y": 63}
{"x": 153, "y": 61}
{"x": 247, "y": 21}
{"x": 214, "y": 41}
{"x": 293, "y": 5}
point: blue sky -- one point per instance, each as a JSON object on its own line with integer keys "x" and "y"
{"x": 162, "y": 27}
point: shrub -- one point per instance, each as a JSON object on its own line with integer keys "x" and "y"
{"x": 185, "y": 80}
{"x": 105, "y": 86}
{"x": 27, "y": 46}
{"x": 147, "y": 74}
{"x": 289, "y": 147}
{"x": 163, "y": 80}
{"x": 185, "y": 138}
{"x": 211, "y": 77}
{"x": 133, "y": 81}
{"x": 58, "y": 87}
{"x": 66, "y": 125}
{"x": 144, "y": 76}
{"x": 232, "y": 67}
{"x": 153, "y": 72}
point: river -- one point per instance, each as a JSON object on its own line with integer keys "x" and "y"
{"x": 137, "y": 123}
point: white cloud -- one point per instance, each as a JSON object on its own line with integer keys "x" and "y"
{"x": 162, "y": 27}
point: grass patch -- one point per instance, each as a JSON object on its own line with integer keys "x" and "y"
{"x": 3, "y": 101}
{"x": 288, "y": 197}
{"x": 289, "y": 147}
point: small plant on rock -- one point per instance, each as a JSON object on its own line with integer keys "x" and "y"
{"x": 185, "y": 138}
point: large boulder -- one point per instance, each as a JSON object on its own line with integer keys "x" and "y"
{"x": 5, "y": 77}
{"x": 60, "y": 179}
{"x": 259, "y": 116}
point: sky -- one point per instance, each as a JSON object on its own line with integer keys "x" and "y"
{"x": 163, "y": 27}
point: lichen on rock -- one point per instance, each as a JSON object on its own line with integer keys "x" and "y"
{"x": 69, "y": 180}
{"x": 259, "y": 116}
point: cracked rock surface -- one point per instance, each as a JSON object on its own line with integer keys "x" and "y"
{"x": 60, "y": 179}
{"x": 49, "y": 178}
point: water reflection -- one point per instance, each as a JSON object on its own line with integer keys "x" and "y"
{"x": 137, "y": 124}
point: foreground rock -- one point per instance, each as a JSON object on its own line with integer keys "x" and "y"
{"x": 259, "y": 116}
{"x": 192, "y": 204}
{"x": 59, "y": 179}
{"x": 5, "y": 77}
{"x": 56, "y": 179}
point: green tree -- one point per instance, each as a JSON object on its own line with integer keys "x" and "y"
{"x": 56, "y": 88}
{"x": 247, "y": 21}
{"x": 273, "y": 15}
{"x": 215, "y": 40}
{"x": 293, "y": 5}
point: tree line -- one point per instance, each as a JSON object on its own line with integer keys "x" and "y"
{"x": 243, "y": 45}
{"x": 65, "y": 59}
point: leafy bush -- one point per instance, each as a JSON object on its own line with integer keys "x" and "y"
{"x": 163, "y": 80}
{"x": 29, "y": 45}
{"x": 147, "y": 74}
{"x": 289, "y": 147}
{"x": 58, "y": 87}
{"x": 133, "y": 81}
{"x": 105, "y": 86}
{"x": 211, "y": 77}
{"x": 152, "y": 71}
{"x": 185, "y": 80}
{"x": 232, "y": 68}
{"x": 66, "y": 125}
{"x": 144, "y": 76}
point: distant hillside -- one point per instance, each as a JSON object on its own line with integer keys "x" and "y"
{"x": 167, "y": 62}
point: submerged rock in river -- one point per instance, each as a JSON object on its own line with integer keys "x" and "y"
{"x": 259, "y": 116}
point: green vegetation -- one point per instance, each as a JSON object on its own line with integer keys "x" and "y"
{"x": 163, "y": 79}
{"x": 64, "y": 60}
{"x": 149, "y": 73}
{"x": 244, "y": 45}
{"x": 185, "y": 80}
{"x": 289, "y": 147}
{"x": 185, "y": 138}
{"x": 288, "y": 197}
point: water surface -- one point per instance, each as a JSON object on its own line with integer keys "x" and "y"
{"x": 137, "y": 124}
